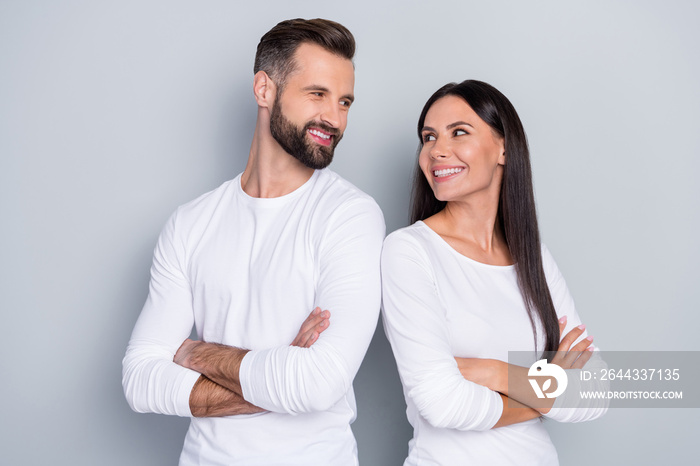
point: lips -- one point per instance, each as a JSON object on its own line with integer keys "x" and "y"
{"x": 321, "y": 137}
{"x": 444, "y": 172}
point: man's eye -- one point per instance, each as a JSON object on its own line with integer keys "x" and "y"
{"x": 345, "y": 103}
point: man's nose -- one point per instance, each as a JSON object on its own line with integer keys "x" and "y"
{"x": 331, "y": 115}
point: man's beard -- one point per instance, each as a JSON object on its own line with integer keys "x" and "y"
{"x": 294, "y": 141}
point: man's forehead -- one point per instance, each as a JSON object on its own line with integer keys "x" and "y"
{"x": 309, "y": 53}
{"x": 311, "y": 61}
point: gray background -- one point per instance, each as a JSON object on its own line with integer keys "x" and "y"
{"x": 114, "y": 113}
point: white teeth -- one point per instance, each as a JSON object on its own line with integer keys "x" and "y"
{"x": 319, "y": 134}
{"x": 446, "y": 172}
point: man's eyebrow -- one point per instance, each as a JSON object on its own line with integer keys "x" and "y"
{"x": 317, "y": 87}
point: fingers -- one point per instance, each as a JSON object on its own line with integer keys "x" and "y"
{"x": 311, "y": 320}
{"x": 562, "y": 325}
{"x": 583, "y": 344}
{"x": 308, "y": 338}
{"x": 305, "y": 331}
{"x": 316, "y": 318}
{"x": 576, "y": 356}
{"x": 571, "y": 337}
{"x": 583, "y": 358}
{"x": 322, "y": 321}
{"x": 313, "y": 326}
{"x": 312, "y": 337}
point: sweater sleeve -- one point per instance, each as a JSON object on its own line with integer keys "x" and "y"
{"x": 298, "y": 380}
{"x": 570, "y": 407}
{"x": 152, "y": 382}
{"x": 416, "y": 326}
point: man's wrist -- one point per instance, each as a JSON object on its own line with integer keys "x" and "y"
{"x": 220, "y": 363}
{"x": 196, "y": 358}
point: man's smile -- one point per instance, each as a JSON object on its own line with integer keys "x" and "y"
{"x": 320, "y": 136}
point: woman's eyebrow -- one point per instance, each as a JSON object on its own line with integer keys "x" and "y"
{"x": 458, "y": 123}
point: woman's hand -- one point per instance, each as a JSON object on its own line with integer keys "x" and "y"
{"x": 491, "y": 373}
{"x": 568, "y": 357}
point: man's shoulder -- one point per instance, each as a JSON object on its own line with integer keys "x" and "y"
{"x": 209, "y": 200}
{"x": 336, "y": 190}
{"x": 338, "y": 204}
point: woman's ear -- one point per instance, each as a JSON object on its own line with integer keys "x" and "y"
{"x": 502, "y": 157}
{"x": 264, "y": 89}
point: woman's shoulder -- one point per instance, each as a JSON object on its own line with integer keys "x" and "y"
{"x": 549, "y": 265}
{"x": 409, "y": 239}
{"x": 407, "y": 249}
{"x": 547, "y": 258}
{"x": 411, "y": 234}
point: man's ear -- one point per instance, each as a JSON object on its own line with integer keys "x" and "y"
{"x": 264, "y": 89}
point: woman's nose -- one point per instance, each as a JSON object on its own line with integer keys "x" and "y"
{"x": 440, "y": 150}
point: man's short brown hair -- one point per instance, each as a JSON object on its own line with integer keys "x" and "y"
{"x": 275, "y": 54}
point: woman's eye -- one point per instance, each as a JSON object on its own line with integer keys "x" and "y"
{"x": 428, "y": 137}
{"x": 460, "y": 132}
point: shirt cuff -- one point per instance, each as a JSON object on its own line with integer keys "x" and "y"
{"x": 495, "y": 414}
{"x": 183, "y": 390}
{"x": 245, "y": 378}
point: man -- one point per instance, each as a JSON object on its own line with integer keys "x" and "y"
{"x": 252, "y": 263}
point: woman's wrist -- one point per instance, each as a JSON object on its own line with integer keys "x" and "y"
{"x": 501, "y": 377}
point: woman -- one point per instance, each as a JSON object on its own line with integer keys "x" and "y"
{"x": 470, "y": 281}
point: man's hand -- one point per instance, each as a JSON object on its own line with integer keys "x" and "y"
{"x": 191, "y": 353}
{"x": 185, "y": 354}
{"x": 217, "y": 392}
{"x": 317, "y": 322}
{"x": 209, "y": 399}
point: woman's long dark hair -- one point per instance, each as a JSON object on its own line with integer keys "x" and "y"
{"x": 516, "y": 206}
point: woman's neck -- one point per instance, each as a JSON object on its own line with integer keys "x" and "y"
{"x": 473, "y": 230}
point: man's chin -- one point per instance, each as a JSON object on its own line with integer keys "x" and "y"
{"x": 317, "y": 161}
{"x": 317, "y": 164}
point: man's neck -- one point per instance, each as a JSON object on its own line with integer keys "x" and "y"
{"x": 270, "y": 171}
